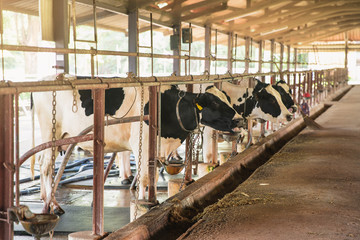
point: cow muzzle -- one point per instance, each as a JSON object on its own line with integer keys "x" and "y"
{"x": 289, "y": 117}
{"x": 293, "y": 109}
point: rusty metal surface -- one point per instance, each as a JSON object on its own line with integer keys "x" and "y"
{"x": 7, "y": 167}
{"x": 98, "y": 191}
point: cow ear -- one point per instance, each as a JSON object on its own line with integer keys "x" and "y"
{"x": 201, "y": 101}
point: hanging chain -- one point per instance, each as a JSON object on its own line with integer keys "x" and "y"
{"x": 189, "y": 151}
{"x": 53, "y": 152}
{"x": 140, "y": 152}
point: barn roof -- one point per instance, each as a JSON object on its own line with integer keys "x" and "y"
{"x": 292, "y": 22}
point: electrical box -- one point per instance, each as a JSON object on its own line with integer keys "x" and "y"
{"x": 187, "y": 35}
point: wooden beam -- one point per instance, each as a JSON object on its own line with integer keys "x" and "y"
{"x": 303, "y": 19}
{"x": 326, "y": 24}
{"x": 90, "y": 17}
{"x": 274, "y": 15}
{"x": 245, "y": 12}
{"x": 200, "y": 4}
{"x": 221, "y": 7}
{"x": 327, "y": 34}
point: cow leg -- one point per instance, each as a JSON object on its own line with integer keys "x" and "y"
{"x": 46, "y": 172}
{"x": 124, "y": 165}
{"x": 207, "y": 145}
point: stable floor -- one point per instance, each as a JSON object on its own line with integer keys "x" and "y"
{"x": 310, "y": 189}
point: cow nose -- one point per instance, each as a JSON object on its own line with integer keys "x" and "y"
{"x": 289, "y": 117}
{"x": 294, "y": 108}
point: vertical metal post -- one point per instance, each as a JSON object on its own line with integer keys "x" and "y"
{"x": 6, "y": 163}
{"x": 177, "y": 52}
{"x": 281, "y": 57}
{"x": 152, "y": 141}
{"x": 207, "y": 48}
{"x": 230, "y": 51}
{"x": 61, "y": 33}
{"x": 272, "y": 52}
{"x": 295, "y": 59}
{"x": 346, "y": 50}
{"x": 17, "y": 152}
{"x": 153, "y": 126}
{"x": 189, "y": 148}
{"x": 98, "y": 181}
{"x": 288, "y": 57}
{"x": 247, "y": 55}
{"x": 133, "y": 40}
{"x": 207, "y": 68}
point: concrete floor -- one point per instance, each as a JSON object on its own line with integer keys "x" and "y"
{"x": 310, "y": 189}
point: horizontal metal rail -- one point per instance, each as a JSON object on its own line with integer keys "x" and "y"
{"x": 24, "y": 48}
{"x": 80, "y": 138}
{"x": 8, "y": 87}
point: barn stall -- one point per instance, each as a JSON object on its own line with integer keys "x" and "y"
{"x": 206, "y": 41}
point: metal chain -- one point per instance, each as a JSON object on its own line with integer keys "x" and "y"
{"x": 140, "y": 152}
{"x": 53, "y": 151}
{"x": 74, "y": 106}
{"x": 191, "y": 136}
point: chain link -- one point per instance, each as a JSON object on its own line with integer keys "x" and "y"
{"x": 186, "y": 162}
{"x": 140, "y": 152}
{"x": 53, "y": 157}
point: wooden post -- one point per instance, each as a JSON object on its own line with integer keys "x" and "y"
{"x": 6, "y": 163}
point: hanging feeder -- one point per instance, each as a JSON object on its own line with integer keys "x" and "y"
{"x": 34, "y": 224}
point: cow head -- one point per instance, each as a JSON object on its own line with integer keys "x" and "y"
{"x": 286, "y": 96}
{"x": 216, "y": 111}
{"x": 269, "y": 104}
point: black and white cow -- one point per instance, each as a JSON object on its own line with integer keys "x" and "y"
{"x": 261, "y": 102}
{"x": 286, "y": 95}
{"x": 211, "y": 108}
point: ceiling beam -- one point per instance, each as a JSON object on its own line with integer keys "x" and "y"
{"x": 90, "y": 18}
{"x": 299, "y": 21}
{"x": 244, "y": 12}
{"x": 317, "y": 27}
{"x": 322, "y": 36}
{"x": 275, "y": 15}
{"x": 221, "y": 7}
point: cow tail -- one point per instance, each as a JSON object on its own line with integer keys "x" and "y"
{"x": 32, "y": 162}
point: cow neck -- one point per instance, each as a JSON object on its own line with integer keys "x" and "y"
{"x": 181, "y": 96}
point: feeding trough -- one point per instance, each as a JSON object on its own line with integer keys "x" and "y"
{"x": 34, "y": 224}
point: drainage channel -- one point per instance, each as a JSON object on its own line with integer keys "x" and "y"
{"x": 175, "y": 216}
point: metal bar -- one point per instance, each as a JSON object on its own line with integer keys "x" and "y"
{"x": 98, "y": 181}
{"x": 188, "y": 149}
{"x": 6, "y": 162}
{"x": 152, "y": 142}
{"x": 207, "y": 48}
{"x": 272, "y": 52}
{"x": 17, "y": 162}
{"x": 65, "y": 141}
{"x": 133, "y": 41}
{"x": 230, "y": 52}
{"x": 39, "y": 86}
{"x": 111, "y": 162}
